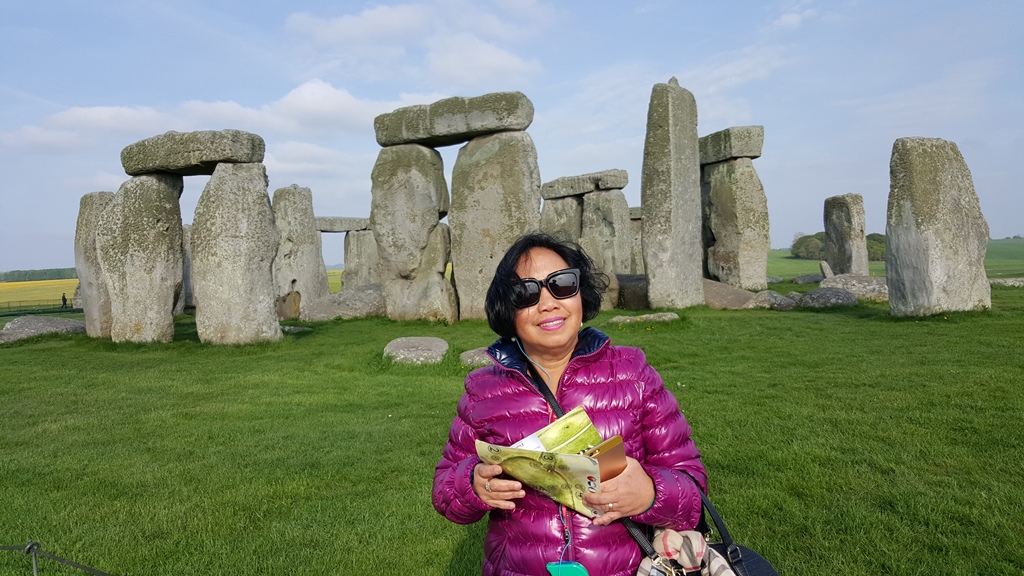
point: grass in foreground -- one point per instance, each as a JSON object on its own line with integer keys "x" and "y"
{"x": 841, "y": 442}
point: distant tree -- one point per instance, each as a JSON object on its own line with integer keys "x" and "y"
{"x": 44, "y": 274}
{"x": 876, "y": 247}
{"x": 808, "y": 247}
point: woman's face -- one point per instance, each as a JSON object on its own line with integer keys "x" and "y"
{"x": 550, "y": 327}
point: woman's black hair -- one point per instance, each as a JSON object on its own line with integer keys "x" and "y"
{"x": 501, "y": 314}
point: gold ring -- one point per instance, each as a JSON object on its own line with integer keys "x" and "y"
{"x": 610, "y": 506}
{"x": 487, "y": 485}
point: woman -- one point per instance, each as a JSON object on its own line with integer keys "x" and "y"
{"x": 542, "y": 292}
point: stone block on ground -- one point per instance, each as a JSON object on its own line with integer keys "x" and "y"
{"x": 584, "y": 184}
{"x": 771, "y": 300}
{"x": 454, "y": 120}
{"x": 827, "y": 298}
{"x": 29, "y": 326}
{"x": 191, "y": 153}
{"x": 871, "y": 288}
{"x": 732, "y": 143}
{"x": 475, "y": 358}
{"x": 808, "y": 279}
{"x": 654, "y": 317}
{"x": 416, "y": 350}
{"x": 721, "y": 296}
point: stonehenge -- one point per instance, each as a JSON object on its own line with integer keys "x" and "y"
{"x": 846, "y": 244}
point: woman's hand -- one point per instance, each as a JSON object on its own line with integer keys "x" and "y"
{"x": 628, "y": 494}
{"x": 495, "y": 492}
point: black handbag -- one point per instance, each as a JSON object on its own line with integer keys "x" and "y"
{"x": 742, "y": 560}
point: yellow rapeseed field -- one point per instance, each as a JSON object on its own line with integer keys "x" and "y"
{"x": 37, "y": 290}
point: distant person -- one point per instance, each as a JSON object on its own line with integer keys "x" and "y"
{"x": 542, "y": 292}
{"x": 63, "y": 300}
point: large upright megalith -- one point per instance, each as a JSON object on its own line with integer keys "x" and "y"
{"x": 495, "y": 199}
{"x": 233, "y": 246}
{"x": 846, "y": 242}
{"x": 670, "y": 196}
{"x": 299, "y": 271}
{"x": 139, "y": 245}
{"x": 409, "y": 197}
{"x": 936, "y": 235}
{"x": 93, "y": 298}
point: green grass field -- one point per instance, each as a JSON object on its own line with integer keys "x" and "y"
{"x": 840, "y": 442}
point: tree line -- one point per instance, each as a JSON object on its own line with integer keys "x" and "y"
{"x": 812, "y": 247}
{"x": 45, "y": 274}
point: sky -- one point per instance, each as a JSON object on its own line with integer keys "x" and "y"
{"x": 833, "y": 83}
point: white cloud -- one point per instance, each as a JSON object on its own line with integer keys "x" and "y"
{"x": 792, "y": 20}
{"x": 122, "y": 119}
{"x": 466, "y": 60}
{"x": 37, "y": 138}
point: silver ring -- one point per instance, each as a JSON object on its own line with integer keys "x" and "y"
{"x": 487, "y": 485}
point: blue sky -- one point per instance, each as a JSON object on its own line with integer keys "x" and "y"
{"x": 833, "y": 83}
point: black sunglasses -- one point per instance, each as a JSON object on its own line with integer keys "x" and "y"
{"x": 561, "y": 284}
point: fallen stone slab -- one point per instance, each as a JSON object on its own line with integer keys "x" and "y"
{"x": 295, "y": 329}
{"x": 721, "y": 296}
{"x": 731, "y": 143}
{"x": 828, "y": 298}
{"x": 863, "y": 287}
{"x": 584, "y": 183}
{"x": 656, "y": 317}
{"x": 808, "y": 279}
{"x": 191, "y": 153}
{"x": 416, "y": 350}
{"x": 1014, "y": 282}
{"x": 454, "y": 120}
{"x": 475, "y": 357}
{"x": 773, "y": 279}
{"x": 771, "y": 300}
{"x": 29, "y": 326}
{"x": 341, "y": 224}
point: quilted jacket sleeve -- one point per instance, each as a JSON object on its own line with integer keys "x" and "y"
{"x": 671, "y": 458}
{"x": 453, "y": 495}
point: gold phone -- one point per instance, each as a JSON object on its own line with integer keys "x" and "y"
{"x": 610, "y": 456}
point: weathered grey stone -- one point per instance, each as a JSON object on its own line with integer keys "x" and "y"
{"x": 771, "y": 300}
{"x": 826, "y": 270}
{"x": 191, "y": 153}
{"x": 341, "y": 224}
{"x": 184, "y": 300}
{"x": 362, "y": 261}
{"x": 475, "y": 358}
{"x": 454, "y": 120}
{"x": 295, "y": 329}
{"x": 94, "y": 299}
{"x": 936, "y": 235}
{"x": 299, "y": 262}
{"x": 1012, "y": 282}
{"x": 827, "y": 298}
{"x": 846, "y": 243}
{"x": 409, "y": 191}
{"x": 633, "y": 292}
{"x": 735, "y": 224}
{"x": 233, "y": 246}
{"x": 563, "y": 218}
{"x": 29, "y": 326}
{"x": 808, "y": 279}
{"x": 636, "y": 254}
{"x": 773, "y": 279}
{"x": 139, "y": 245}
{"x": 606, "y": 238}
{"x": 863, "y": 287}
{"x": 795, "y": 297}
{"x": 359, "y": 301}
{"x": 584, "y": 183}
{"x": 655, "y": 317}
{"x": 721, "y": 296}
{"x": 416, "y": 350}
{"x": 732, "y": 143}
{"x": 495, "y": 200}
{"x": 670, "y": 196}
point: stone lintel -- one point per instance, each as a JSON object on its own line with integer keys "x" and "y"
{"x": 191, "y": 153}
{"x": 341, "y": 224}
{"x": 636, "y": 213}
{"x": 584, "y": 183}
{"x": 454, "y": 120}
{"x": 731, "y": 143}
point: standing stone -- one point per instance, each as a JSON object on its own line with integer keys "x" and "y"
{"x": 233, "y": 246}
{"x": 139, "y": 244}
{"x": 362, "y": 260}
{"x": 606, "y": 237}
{"x": 495, "y": 200}
{"x": 184, "y": 298}
{"x": 409, "y": 196}
{"x": 736, "y": 224}
{"x": 636, "y": 258}
{"x": 936, "y": 235}
{"x": 846, "y": 242}
{"x": 299, "y": 264}
{"x": 93, "y": 299}
{"x": 670, "y": 196}
{"x": 563, "y": 218}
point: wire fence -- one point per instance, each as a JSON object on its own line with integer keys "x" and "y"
{"x": 33, "y": 549}
{"x": 36, "y": 306}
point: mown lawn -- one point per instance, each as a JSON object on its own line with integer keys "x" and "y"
{"x": 841, "y": 442}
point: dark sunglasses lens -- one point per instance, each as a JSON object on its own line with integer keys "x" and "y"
{"x": 526, "y": 293}
{"x": 563, "y": 285}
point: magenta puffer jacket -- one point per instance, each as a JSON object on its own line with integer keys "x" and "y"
{"x": 622, "y": 395}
